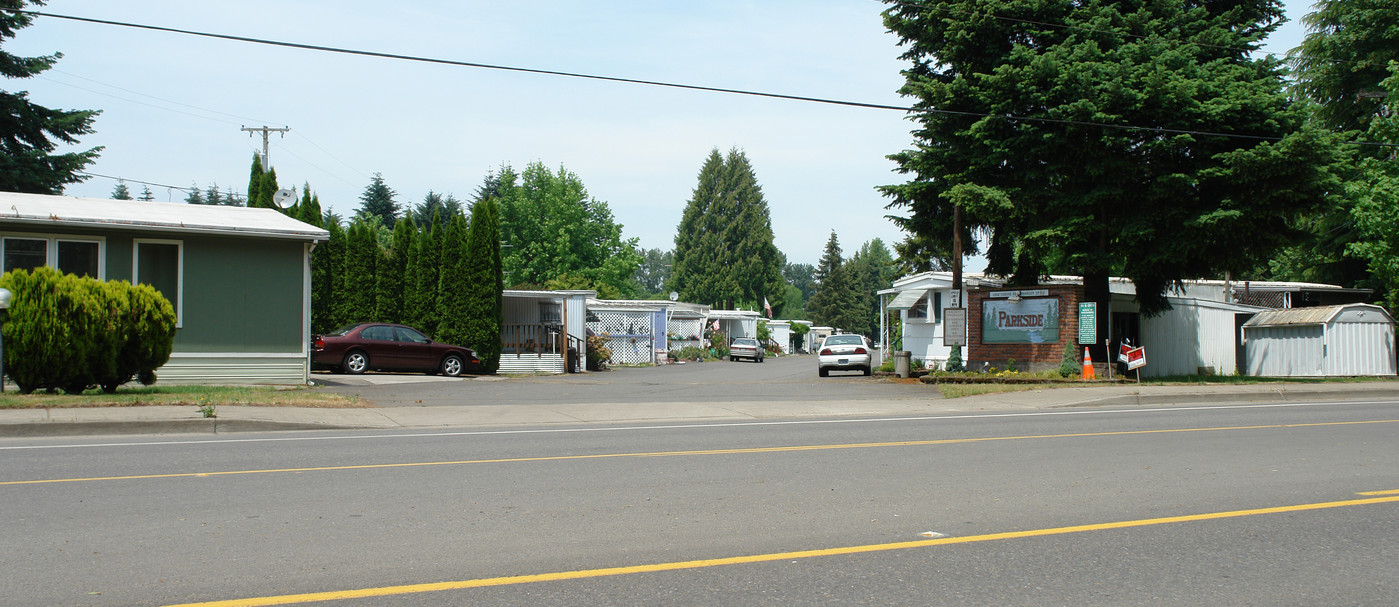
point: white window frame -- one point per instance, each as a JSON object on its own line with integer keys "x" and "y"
{"x": 51, "y": 249}
{"x": 179, "y": 272}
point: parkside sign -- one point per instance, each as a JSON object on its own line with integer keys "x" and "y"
{"x": 1034, "y": 321}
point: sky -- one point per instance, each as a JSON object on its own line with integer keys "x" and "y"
{"x": 173, "y": 105}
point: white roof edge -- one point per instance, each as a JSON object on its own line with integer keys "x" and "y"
{"x": 566, "y": 293}
{"x": 60, "y": 212}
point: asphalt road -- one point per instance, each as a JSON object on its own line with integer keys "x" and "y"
{"x": 785, "y": 379}
{"x": 1223, "y": 505}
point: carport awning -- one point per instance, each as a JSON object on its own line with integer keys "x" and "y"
{"x": 907, "y": 299}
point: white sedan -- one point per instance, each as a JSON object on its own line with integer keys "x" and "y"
{"x": 847, "y": 352}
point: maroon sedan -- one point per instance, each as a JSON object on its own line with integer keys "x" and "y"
{"x": 360, "y": 347}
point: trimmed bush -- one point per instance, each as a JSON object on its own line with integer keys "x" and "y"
{"x": 146, "y": 322}
{"x": 72, "y": 332}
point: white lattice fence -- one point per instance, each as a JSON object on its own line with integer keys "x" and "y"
{"x": 628, "y": 335}
{"x": 682, "y": 330}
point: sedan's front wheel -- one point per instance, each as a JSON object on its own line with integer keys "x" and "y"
{"x": 356, "y": 363}
{"x": 452, "y": 366}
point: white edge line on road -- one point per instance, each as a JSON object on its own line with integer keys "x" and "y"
{"x": 793, "y": 422}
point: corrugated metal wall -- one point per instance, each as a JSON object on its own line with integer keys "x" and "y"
{"x": 1359, "y": 348}
{"x": 1187, "y": 338}
{"x": 531, "y": 363}
{"x": 1285, "y": 351}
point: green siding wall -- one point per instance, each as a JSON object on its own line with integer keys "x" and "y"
{"x": 242, "y": 296}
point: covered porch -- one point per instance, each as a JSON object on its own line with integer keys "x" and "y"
{"x": 544, "y": 331}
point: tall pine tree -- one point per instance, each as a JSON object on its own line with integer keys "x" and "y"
{"x": 485, "y": 304}
{"x": 834, "y": 303}
{"x": 455, "y": 287}
{"x": 30, "y": 133}
{"x": 378, "y": 200}
{"x": 724, "y": 250}
{"x": 254, "y": 181}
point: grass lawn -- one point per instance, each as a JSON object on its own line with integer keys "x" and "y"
{"x": 258, "y": 396}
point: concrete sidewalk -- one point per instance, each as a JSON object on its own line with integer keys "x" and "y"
{"x": 187, "y": 419}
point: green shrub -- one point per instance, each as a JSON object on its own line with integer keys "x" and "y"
{"x": 1068, "y": 363}
{"x": 145, "y": 322}
{"x": 954, "y": 360}
{"x": 690, "y": 353}
{"x": 598, "y": 352}
{"x": 72, "y": 332}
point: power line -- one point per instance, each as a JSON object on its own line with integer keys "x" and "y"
{"x": 137, "y": 181}
{"x": 149, "y": 96}
{"x": 828, "y": 101}
{"x": 363, "y": 53}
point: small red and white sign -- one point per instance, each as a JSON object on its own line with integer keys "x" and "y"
{"x": 1136, "y": 358}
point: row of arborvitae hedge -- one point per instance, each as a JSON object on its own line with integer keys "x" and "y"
{"x": 69, "y": 332}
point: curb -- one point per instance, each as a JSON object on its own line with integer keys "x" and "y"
{"x": 182, "y": 426}
{"x": 1226, "y": 397}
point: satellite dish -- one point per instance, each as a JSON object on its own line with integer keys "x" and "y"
{"x": 674, "y": 296}
{"x": 284, "y": 198}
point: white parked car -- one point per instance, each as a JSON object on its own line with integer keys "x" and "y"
{"x": 746, "y": 347}
{"x": 846, "y": 352}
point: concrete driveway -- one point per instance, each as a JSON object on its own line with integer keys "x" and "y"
{"x": 785, "y": 379}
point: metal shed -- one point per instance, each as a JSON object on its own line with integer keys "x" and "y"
{"x": 1345, "y": 340}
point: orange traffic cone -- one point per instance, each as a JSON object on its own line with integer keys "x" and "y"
{"x": 1088, "y": 366}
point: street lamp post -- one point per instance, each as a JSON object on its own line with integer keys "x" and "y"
{"x": 5, "y": 296}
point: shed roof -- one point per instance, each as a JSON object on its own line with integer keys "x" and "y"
{"x": 1319, "y": 315}
{"x": 58, "y": 212}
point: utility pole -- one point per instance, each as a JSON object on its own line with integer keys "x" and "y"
{"x": 265, "y": 130}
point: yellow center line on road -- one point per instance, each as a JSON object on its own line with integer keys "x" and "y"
{"x": 340, "y": 595}
{"x": 1389, "y": 492}
{"x": 747, "y": 450}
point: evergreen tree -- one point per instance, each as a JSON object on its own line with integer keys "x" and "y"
{"x": 193, "y": 196}
{"x": 1084, "y": 129}
{"x": 1341, "y": 68}
{"x": 485, "y": 305}
{"x": 833, "y": 304}
{"x": 378, "y": 200}
{"x": 432, "y": 204}
{"x": 146, "y": 195}
{"x": 29, "y": 133}
{"x": 266, "y": 190}
{"x": 871, "y": 268}
{"x": 328, "y": 280}
{"x": 724, "y": 250}
{"x": 455, "y": 287}
{"x": 1344, "y": 60}
{"x": 495, "y": 183}
{"x": 423, "y": 278}
{"x": 254, "y": 181}
{"x": 308, "y": 210}
{"x": 359, "y": 293}
{"x": 121, "y": 192}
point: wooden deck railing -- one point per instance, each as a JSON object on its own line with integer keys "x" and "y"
{"x": 533, "y": 339}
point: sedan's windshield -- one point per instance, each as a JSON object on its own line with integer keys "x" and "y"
{"x": 845, "y": 340}
{"x": 744, "y": 342}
